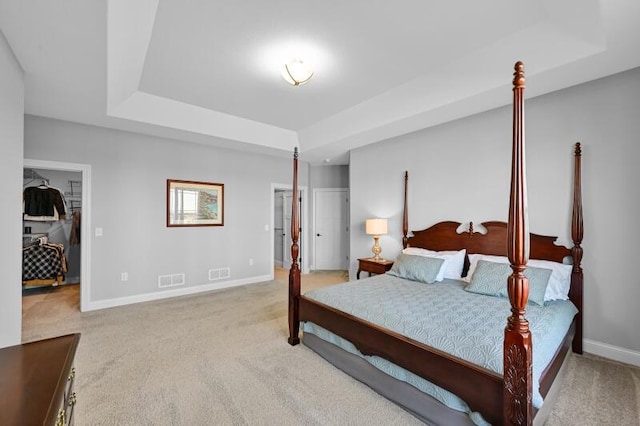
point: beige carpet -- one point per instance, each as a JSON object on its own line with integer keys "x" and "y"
{"x": 221, "y": 358}
{"x": 598, "y": 392}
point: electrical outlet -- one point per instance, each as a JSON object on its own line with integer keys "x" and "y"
{"x": 124, "y": 276}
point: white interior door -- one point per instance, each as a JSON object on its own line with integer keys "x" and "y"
{"x": 330, "y": 229}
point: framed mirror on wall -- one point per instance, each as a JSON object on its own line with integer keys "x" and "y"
{"x": 191, "y": 203}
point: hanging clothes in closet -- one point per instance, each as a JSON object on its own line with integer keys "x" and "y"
{"x": 43, "y": 263}
{"x": 43, "y": 203}
{"x": 74, "y": 235}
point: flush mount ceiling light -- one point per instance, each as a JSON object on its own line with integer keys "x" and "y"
{"x": 297, "y": 72}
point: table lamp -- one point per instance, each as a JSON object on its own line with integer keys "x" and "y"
{"x": 376, "y": 227}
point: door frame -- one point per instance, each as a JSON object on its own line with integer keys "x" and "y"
{"x": 313, "y": 233}
{"x": 286, "y": 247}
{"x": 304, "y": 245}
{"x": 85, "y": 222}
{"x": 278, "y": 194}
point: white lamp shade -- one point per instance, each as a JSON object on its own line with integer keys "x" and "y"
{"x": 376, "y": 226}
{"x": 297, "y": 72}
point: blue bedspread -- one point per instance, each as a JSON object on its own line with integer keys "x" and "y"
{"x": 444, "y": 316}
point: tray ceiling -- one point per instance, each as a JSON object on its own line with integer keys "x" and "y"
{"x": 209, "y": 71}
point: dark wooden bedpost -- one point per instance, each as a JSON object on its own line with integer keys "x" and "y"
{"x": 518, "y": 381}
{"x": 575, "y": 293}
{"x": 294, "y": 272}
{"x": 405, "y": 213}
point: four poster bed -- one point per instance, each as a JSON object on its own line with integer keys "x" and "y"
{"x": 422, "y": 341}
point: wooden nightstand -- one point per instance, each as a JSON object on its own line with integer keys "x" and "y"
{"x": 373, "y": 267}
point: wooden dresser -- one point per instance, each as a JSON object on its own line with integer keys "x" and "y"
{"x": 36, "y": 382}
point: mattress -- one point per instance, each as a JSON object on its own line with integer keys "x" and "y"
{"x": 446, "y": 317}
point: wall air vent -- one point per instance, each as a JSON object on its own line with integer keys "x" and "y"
{"x": 170, "y": 280}
{"x": 219, "y": 274}
{"x": 214, "y": 274}
{"x": 225, "y": 273}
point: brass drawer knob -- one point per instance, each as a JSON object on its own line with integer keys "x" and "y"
{"x": 61, "y": 415}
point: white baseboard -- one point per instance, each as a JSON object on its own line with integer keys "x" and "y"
{"x": 147, "y": 297}
{"x": 615, "y": 353}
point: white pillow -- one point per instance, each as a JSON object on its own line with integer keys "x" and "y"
{"x": 559, "y": 282}
{"x": 453, "y": 261}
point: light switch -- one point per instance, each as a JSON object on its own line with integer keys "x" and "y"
{"x": 98, "y": 232}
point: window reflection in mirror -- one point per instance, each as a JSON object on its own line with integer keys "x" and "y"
{"x": 192, "y": 203}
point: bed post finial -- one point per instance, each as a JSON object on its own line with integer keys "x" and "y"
{"x": 294, "y": 272}
{"x": 405, "y": 213}
{"x": 577, "y": 230}
{"x": 518, "y": 76}
{"x": 518, "y": 380}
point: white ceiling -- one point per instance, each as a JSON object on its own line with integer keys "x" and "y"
{"x": 208, "y": 71}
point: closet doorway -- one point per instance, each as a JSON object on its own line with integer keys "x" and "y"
{"x": 73, "y": 182}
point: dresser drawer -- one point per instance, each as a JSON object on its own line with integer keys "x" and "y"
{"x": 37, "y": 386}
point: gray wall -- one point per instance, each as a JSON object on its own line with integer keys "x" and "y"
{"x": 460, "y": 171}
{"x": 11, "y": 134}
{"x": 129, "y": 173}
{"x": 329, "y": 176}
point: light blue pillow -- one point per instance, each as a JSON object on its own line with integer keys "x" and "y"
{"x": 490, "y": 278}
{"x": 416, "y": 268}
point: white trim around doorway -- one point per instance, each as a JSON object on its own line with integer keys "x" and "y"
{"x": 305, "y": 226}
{"x": 85, "y": 223}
